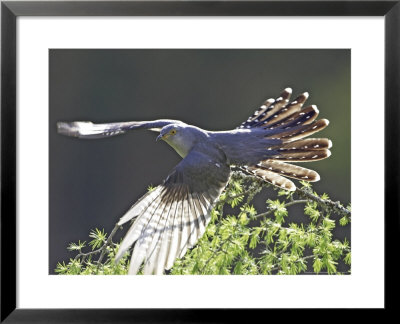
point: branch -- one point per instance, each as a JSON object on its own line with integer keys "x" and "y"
{"x": 327, "y": 203}
{"x": 303, "y": 193}
{"x": 84, "y": 255}
{"x": 101, "y": 250}
{"x": 115, "y": 229}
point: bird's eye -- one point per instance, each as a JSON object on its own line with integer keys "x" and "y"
{"x": 173, "y": 132}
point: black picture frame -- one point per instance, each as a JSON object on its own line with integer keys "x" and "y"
{"x": 10, "y": 10}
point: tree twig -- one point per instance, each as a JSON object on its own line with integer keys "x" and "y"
{"x": 84, "y": 255}
{"x": 102, "y": 249}
{"x": 333, "y": 205}
{"x": 303, "y": 193}
{"x": 116, "y": 227}
{"x": 291, "y": 203}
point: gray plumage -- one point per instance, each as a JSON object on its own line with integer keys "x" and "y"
{"x": 172, "y": 217}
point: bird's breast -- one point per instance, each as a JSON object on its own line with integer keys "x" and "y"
{"x": 179, "y": 146}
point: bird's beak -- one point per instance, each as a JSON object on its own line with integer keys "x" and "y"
{"x": 163, "y": 137}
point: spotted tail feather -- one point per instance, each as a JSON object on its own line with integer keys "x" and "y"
{"x": 290, "y": 124}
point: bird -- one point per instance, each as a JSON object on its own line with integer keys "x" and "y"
{"x": 171, "y": 218}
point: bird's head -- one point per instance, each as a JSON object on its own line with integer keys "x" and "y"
{"x": 169, "y": 132}
{"x": 181, "y": 137}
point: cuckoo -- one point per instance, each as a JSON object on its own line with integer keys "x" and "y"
{"x": 173, "y": 216}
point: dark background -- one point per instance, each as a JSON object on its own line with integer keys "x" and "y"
{"x": 93, "y": 182}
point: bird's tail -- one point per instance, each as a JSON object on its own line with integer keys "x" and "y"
{"x": 289, "y": 124}
{"x": 276, "y": 173}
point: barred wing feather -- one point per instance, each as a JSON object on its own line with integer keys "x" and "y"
{"x": 171, "y": 218}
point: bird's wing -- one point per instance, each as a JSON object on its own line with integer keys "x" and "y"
{"x": 288, "y": 123}
{"x": 174, "y": 215}
{"x": 89, "y": 130}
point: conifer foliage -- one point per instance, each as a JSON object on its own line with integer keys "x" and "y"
{"x": 241, "y": 240}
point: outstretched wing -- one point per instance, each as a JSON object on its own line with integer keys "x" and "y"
{"x": 89, "y": 130}
{"x": 288, "y": 123}
{"x": 172, "y": 217}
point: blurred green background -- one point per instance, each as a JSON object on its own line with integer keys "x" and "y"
{"x": 93, "y": 182}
